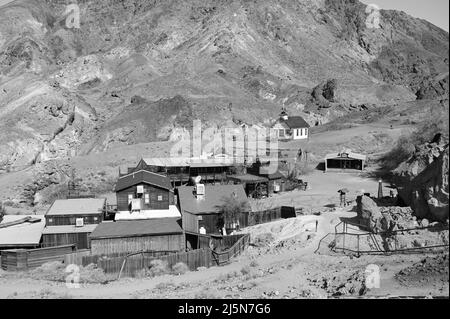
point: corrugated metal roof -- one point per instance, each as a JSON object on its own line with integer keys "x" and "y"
{"x": 192, "y": 162}
{"x": 69, "y": 229}
{"x": 167, "y": 162}
{"x": 77, "y": 206}
{"x": 25, "y": 234}
{"x": 135, "y": 228}
{"x": 143, "y": 176}
{"x": 249, "y": 178}
{"x": 214, "y": 195}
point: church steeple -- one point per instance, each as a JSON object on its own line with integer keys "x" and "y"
{"x": 284, "y": 115}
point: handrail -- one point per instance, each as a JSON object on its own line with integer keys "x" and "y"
{"x": 235, "y": 253}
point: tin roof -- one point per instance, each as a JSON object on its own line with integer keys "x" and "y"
{"x": 346, "y": 154}
{"x": 24, "y": 234}
{"x": 137, "y": 228}
{"x": 69, "y": 229}
{"x": 77, "y": 206}
{"x": 143, "y": 176}
{"x": 214, "y": 195}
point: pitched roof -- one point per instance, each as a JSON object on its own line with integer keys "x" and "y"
{"x": 349, "y": 153}
{"x": 143, "y": 176}
{"x": 296, "y": 122}
{"x": 69, "y": 229}
{"x": 172, "y": 212}
{"x": 77, "y": 206}
{"x": 136, "y": 228}
{"x": 214, "y": 195}
{"x": 24, "y": 234}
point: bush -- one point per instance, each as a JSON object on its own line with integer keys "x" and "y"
{"x": 245, "y": 270}
{"x": 158, "y": 267}
{"x": 254, "y": 263}
{"x": 180, "y": 268}
{"x": 56, "y": 271}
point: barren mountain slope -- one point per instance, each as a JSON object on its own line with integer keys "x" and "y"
{"x": 68, "y": 90}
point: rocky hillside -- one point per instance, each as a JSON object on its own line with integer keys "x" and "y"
{"x": 139, "y": 70}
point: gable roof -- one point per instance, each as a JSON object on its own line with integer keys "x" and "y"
{"x": 296, "y": 122}
{"x": 143, "y": 176}
{"x": 349, "y": 154}
{"x": 21, "y": 235}
{"x": 214, "y": 195}
{"x": 136, "y": 228}
{"x": 77, "y": 206}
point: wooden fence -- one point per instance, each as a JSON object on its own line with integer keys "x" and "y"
{"x": 270, "y": 215}
{"x": 24, "y": 259}
{"x": 131, "y": 264}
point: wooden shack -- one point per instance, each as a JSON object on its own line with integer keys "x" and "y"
{"x": 70, "y": 221}
{"x": 345, "y": 161}
{"x": 21, "y": 231}
{"x": 162, "y": 234}
{"x": 203, "y": 210}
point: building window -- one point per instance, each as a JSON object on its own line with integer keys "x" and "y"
{"x": 160, "y": 198}
{"x": 130, "y": 198}
{"x": 147, "y": 198}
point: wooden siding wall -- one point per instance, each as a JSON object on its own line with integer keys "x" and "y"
{"x": 191, "y": 222}
{"x": 167, "y": 197}
{"x": 22, "y": 259}
{"x": 81, "y": 240}
{"x": 108, "y": 246}
{"x": 60, "y": 220}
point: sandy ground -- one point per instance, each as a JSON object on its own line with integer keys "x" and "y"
{"x": 322, "y": 191}
{"x": 286, "y": 266}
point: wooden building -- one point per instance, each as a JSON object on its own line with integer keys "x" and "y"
{"x": 152, "y": 190}
{"x": 162, "y": 234}
{"x": 345, "y": 161}
{"x": 291, "y": 127}
{"x": 180, "y": 170}
{"x": 145, "y": 195}
{"x": 274, "y": 178}
{"x": 70, "y": 221}
{"x": 203, "y": 210}
{"x": 21, "y": 231}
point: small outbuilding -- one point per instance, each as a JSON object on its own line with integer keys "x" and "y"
{"x": 21, "y": 231}
{"x": 70, "y": 221}
{"x": 345, "y": 161}
{"x": 163, "y": 234}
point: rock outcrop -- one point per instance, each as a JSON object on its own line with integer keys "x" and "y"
{"x": 429, "y": 193}
{"x": 424, "y": 180}
{"x": 369, "y": 214}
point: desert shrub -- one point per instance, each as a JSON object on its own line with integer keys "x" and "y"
{"x": 51, "y": 271}
{"x": 2, "y": 212}
{"x": 157, "y": 267}
{"x": 246, "y": 270}
{"x": 263, "y": 239}
{"x": 56, "y": 271}
{"x": 92, "y": 274}
{"x": 180, "y": 268}
{"x": 254, "y": 263}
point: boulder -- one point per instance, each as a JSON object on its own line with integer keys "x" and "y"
{"x": 429, "y": 191}
{"x": 369, "y": 213}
